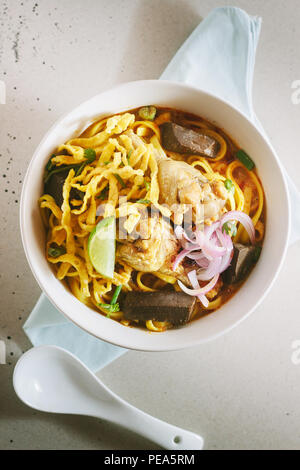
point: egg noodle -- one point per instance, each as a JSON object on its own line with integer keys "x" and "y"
{"x": 121, "y": 172}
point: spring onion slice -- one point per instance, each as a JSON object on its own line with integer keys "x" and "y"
{"x": 244, "y": 158}
{"x": 244, "y": 219}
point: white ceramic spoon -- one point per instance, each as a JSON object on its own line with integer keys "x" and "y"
{"x": 51, "y": 379}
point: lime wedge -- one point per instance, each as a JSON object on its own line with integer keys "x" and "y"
{"x": 102, "y": 247}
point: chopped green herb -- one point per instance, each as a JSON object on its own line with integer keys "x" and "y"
{"x": 60, "y": 169}
{"x": 79, "y": 170}
{"x": 229, "y": 185}
{"x": 56, "y": 251}
{"x": 230, "y": 229}
{"x": 147, "y": 112}
{"x": 244, "y": 158}
{"x": 129, "y": 155}
{"x": 51, "y": 169}
{"x": 106, "y": 163}
{"x": 121, "y": 181}
{"x": 147, "y": 185}
{"x": 90, "y": 155}
{"x": 143, "y": 201}
{"x": 116, "y": 295}
{"x": 50, "y": 165}
{"x": 113, "y": 306}
{"x": 104, "y": 193}
{"x": 110, "y": 308}
{"x": 76, "y": 194}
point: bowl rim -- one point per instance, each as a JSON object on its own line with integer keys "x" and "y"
{"x": 126, "y": 343}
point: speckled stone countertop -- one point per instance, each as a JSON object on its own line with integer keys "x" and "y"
{"x": 240, "y": 391}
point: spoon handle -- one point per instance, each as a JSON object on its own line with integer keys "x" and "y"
{"x": 164, "y": 434}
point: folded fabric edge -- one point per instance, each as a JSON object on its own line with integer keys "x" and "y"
{"x": 94, "y": 352}
{"x": 251, "y": 25}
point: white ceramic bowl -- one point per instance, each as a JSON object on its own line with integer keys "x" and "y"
{"x": 162, "y": 93}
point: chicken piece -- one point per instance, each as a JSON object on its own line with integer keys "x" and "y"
{"x": 180, "y": 183}
{"x": 219, "y": 190}
{"x": 141, "y": 230}
{"x": 149, "y": 252}
{"x": 154, "y": 253}
{"x": 213, "y": 202}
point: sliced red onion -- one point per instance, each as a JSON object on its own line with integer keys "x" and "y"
{"x": 213, "y": 251}
{"x": 190, "y": 246}
{"x": 194, "y": 281}
{"x": 180, "y": 234}
{"x": 214, "y": 239}
{"x": 203, "y": 263}
{"x": 204, "y": 300}
{"x": 192, "y": 275}
{"x": 200, "y": 259}
{"x": 196, "y": 256}
{"x": 209, "y": 229}
{"x": 226, "y": 260}
{"x": 200, "y": 238}
{"x": 179, "y": 258}
{"x": 226, "y": 241}
{"x": 202, "y": 290}
{"x": 244, "y": 219}
{"x": 212, "y": 269}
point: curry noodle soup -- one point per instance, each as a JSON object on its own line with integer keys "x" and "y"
{"x": 154, "y": 217}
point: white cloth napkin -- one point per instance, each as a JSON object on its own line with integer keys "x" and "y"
{"x": 218, "y": 57}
